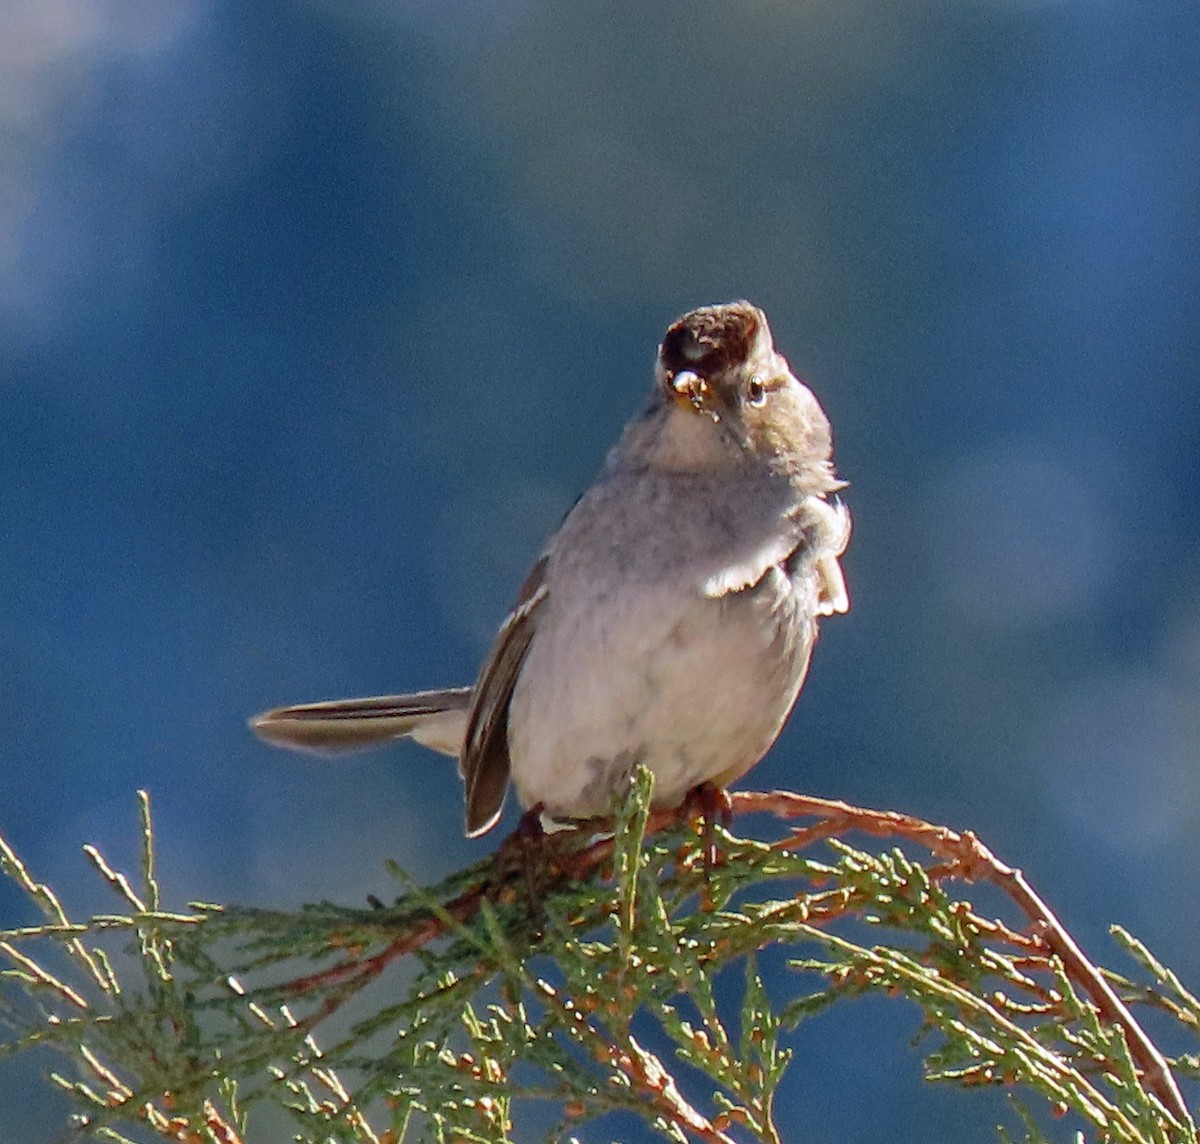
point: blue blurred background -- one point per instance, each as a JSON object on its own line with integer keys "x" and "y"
{"x": 315, "y": 317}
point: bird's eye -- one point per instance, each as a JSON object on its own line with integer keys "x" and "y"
{"x": 756, "y": 392}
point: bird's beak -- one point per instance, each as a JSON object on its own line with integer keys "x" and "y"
{"x": 690, "y": 391}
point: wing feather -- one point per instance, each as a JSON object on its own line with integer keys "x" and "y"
{"x": 817, "y": 527}
{"x": 485, "y": 761}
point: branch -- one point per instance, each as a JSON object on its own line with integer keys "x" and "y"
{"x": 974, "y": 862}
{"x": 967, "y": 857}
{"x": 565, "y": 940}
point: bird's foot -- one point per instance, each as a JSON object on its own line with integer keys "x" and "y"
{"x": 706, "y": 805}
{"x": 521, "y": 859}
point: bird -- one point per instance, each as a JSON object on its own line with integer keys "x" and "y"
{"x": 670, "y": 620}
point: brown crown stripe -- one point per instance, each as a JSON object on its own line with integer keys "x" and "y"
{"x": 711, "y": 340}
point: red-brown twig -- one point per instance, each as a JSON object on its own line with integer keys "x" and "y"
{"x": 643, "y": 1069}
{"x": 360, "y": 970}
{"x": 223, "y": 1132}
{"x": 975, "y": 863}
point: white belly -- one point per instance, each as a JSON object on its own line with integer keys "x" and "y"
{"x": 696, "y": 689}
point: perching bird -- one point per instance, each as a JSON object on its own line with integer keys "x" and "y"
{"x": 669, "y": 620}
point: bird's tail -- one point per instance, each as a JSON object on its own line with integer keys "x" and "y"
{"x": 436, "y": 719}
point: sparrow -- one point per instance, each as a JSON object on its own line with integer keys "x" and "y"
{"x": 671, "y": 618}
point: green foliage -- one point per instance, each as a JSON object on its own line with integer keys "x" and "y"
{"x": 527, "y": 975}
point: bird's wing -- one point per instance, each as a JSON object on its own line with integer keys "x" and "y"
{"x": 484, "y": 763}
{"x": 831, "y": 535}
{"x": 818, "y": 527}
{"x": 433, "y": 718}
{"x": 748, "y": 568}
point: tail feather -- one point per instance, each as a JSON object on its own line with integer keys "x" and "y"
{"x": 436, "y": 719}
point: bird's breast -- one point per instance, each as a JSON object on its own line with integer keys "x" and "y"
{"x": 621, "y": 672}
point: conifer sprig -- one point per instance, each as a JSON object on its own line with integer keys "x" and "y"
{"x": 578, "y": 972}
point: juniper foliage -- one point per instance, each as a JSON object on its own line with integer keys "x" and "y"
{"x": 541, "y": 977}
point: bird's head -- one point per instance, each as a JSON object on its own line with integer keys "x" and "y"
{"x": 726, "y": 398}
